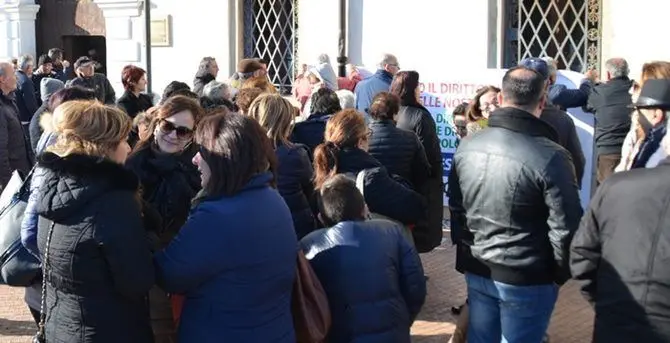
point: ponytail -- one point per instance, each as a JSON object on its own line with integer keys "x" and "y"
{"x": 325, "y": 162}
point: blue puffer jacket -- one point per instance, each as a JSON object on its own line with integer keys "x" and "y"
{"x": 234, "y": 260}
{"x": 294, "y": 183}
{"x": 311, "y": 131}
{"x": 373, "y": 279}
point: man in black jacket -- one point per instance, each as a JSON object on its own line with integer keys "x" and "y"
{"x": 558, "y": 118}
{"x": 620, "y": 253}
{"x": 610, "y": 103}
{"x": 13, "y": 147}
{"x": 514, "y": 205}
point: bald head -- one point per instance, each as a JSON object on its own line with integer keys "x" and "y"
{"x": 616, "y": 67}
{"x": 523, "y": 88}
{"x": 7, "y": 78}
{"x": 5, "y": 67}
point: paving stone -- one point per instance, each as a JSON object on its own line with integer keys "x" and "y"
{"x": 572, "y": 320}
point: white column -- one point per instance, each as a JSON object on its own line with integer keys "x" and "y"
{"x": 17, "y": 24}
{"x": 124, "y": 24}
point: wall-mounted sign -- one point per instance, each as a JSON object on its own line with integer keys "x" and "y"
{"x": 160, "y": 31}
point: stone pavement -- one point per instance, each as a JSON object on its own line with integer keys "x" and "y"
{"x": 571, "y": 323}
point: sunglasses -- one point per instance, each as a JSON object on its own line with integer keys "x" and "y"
{"x": 167, "y": 127}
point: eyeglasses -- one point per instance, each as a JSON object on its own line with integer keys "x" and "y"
{"x": 167, "y": 127}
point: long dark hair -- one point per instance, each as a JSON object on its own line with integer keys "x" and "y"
{"x": 235, "y": 148}
{"x": 404, "y": 85}
{"x": 344, "y": 130}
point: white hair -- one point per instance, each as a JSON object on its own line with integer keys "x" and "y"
{"x": 617, "y": 67}
{"x": 387, "y": 59}
{"x": 323, "y": 58}
{"x": 216, "y": 90}
{"x": 553, "y": 66}
{"x": 346, "y": 97}
{"x": 25, "y": 61}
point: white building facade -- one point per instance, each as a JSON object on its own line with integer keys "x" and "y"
{"x": 426, "y": 35}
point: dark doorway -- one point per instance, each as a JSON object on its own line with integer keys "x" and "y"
{"x": 94, "y": 47}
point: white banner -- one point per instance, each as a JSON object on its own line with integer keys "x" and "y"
{"x": 440, "y": 95}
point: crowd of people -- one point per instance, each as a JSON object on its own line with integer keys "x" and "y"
{"x": 198, "y": 207}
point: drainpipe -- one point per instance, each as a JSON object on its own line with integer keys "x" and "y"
{"x": 147, "y": 41}
{"x": 342, "y": 41}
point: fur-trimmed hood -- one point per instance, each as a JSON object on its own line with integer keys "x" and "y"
{"x": 73, "y": 182}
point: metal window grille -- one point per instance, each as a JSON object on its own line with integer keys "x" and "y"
{"x": 567, "y": 30}
{"x": 271, "y": 28}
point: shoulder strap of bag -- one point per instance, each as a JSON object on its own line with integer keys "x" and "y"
{"x": 45, "y": 263}
{"x": 360, "y": 182}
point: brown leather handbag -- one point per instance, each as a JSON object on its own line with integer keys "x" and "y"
{"x": 309, "y": 304}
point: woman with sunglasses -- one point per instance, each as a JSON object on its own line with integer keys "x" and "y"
{"x": 168, "y": 179}
{"x": 162, "y": 162}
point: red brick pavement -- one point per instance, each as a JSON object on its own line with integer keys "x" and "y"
{"x": 571, "y": 323}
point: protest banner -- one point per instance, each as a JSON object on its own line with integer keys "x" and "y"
{"x": 440, "y": 95}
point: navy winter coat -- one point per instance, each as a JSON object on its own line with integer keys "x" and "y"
{"x": 373, "y": 279}
{"x": 234, "y": 260}
{"x": 311, "y": 131}
{"x": 25, "y": 96}
{"x": 294, "y": 183}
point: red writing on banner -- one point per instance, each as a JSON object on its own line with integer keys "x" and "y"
{"x": 468, "y": 89}
{"x": 446, "y": 94}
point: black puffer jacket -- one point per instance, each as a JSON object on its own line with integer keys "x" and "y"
{"x": 374, "y": 281}
{"x": 99, "y": 263}
{"x": 514, "y": 200}
{"x": 418, "y": 120}
{"x": 383, "y": 194}
{"x": 620, "y": 255}
{"x": 294, "y": 183}
{"x": 311, "y": 131}
{"x": 168, "y": 183}
{"x": 400, "y": 151}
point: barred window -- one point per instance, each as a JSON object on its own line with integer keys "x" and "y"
{"x": 270, "y": 33}
{"x": 567, "y": 30}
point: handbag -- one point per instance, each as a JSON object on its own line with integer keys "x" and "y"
{"x": 18, "y": 267}
{"x": 406, "y": 230}
{"x": 40, "y": 336}
{"x": 309, "y": 304}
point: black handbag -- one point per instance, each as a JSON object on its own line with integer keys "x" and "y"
{"x": 18, "y": 267}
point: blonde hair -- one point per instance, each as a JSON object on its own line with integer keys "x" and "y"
{"x": 655, "y": 70}
{"x": 89, "y": 128}
{"x": 260, "y": 82}
{"x": 275, "y": 114}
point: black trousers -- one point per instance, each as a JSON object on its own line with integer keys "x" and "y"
{"x": 36, "y": 315}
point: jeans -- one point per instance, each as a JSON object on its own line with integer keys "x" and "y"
{"x": 508, "y": 314}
